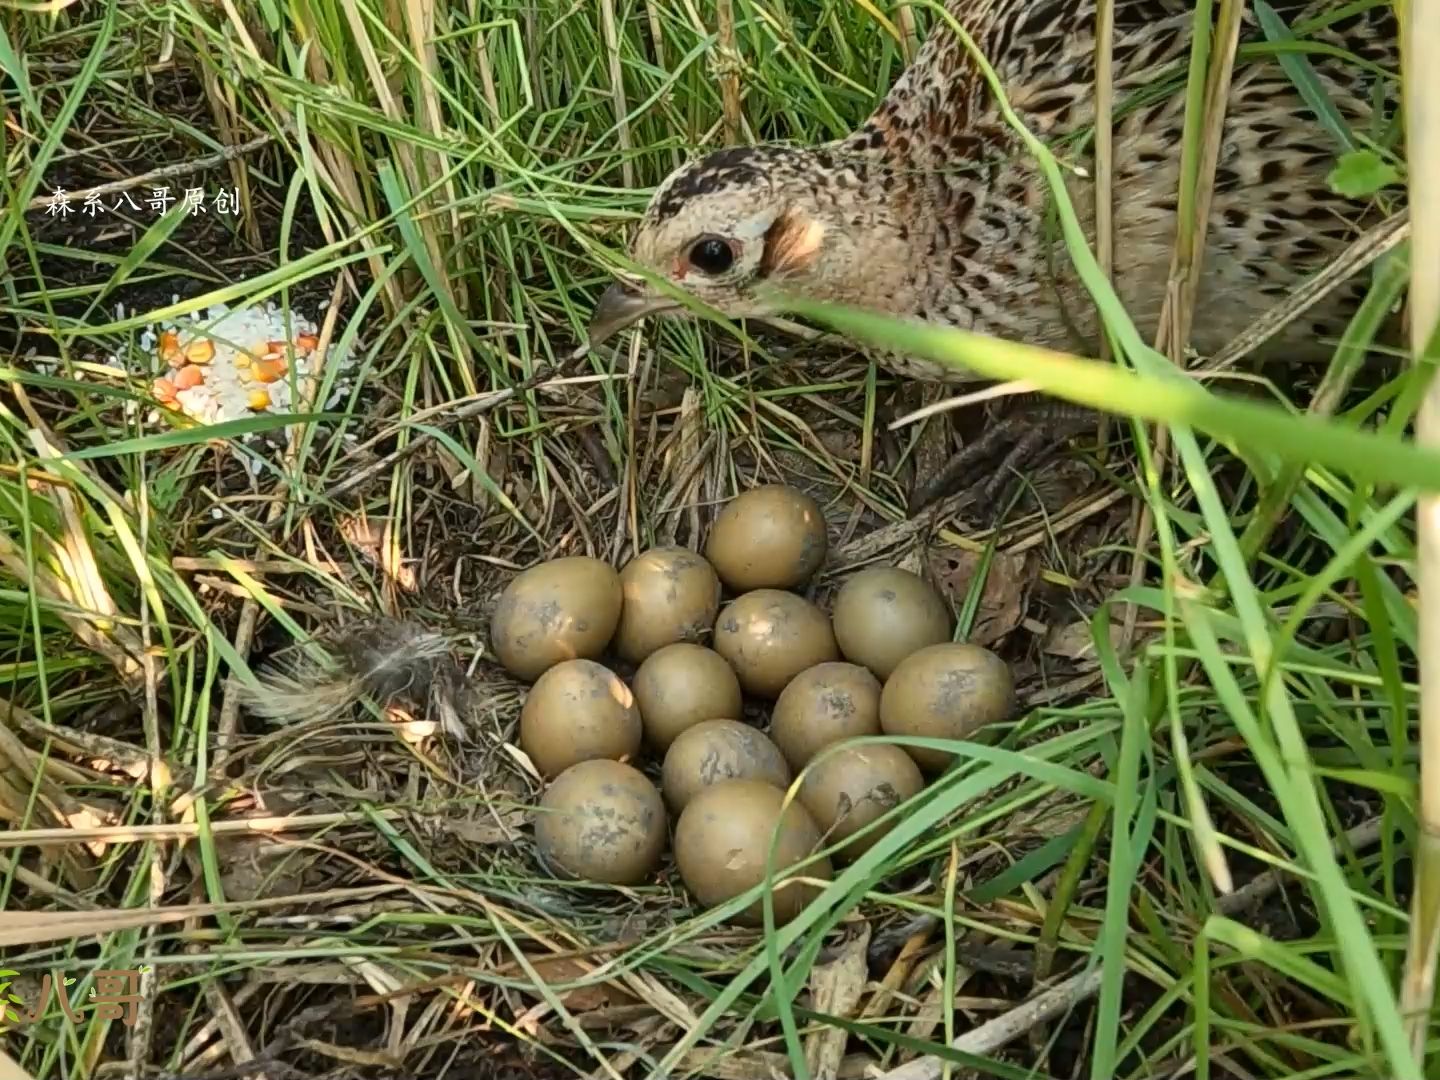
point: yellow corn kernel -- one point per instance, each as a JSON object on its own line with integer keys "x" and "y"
{"x": 200, "y": 351}
{"x": 268, "y": 371}
{"x": 259, "y": 399}
{"x": 188, "y": 376}
{"x": 170, "y": 348}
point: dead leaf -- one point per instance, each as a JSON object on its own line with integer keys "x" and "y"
{"x": 667, "y": 393}
{"x": 528, "y": 1022}
{"x": 836, "y": 988}
{"x": 1073, "y": 642}
{"x": 844, "y": 445}
{"x": 365, "y": 534}
{"x": 1002, "y": 599}
{"x": 728, "y": 1064}
{"x": 371, "y": 538}
{"x": 558, "y": 970}
{"x": 523, "y": 760}
{"x": 484, "y": 830}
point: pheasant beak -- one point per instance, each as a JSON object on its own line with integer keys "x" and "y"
{"x": 620, "y": 305}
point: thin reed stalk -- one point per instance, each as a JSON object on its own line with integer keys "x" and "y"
{"x": 1420, "y": 66}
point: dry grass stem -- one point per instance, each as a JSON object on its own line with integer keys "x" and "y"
{"x": 1421, "y": 67}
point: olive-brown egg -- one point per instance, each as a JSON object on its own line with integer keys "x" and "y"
{"x": 671, "y": 594}
{"x": 769, "y": 636}
{"x": 565, "y": 609}
{"x": 601, "y": 821}
{"x": 770, "y": 537}
{"x": 852, "y": 786}
{"x": 679, "y": 686}
{"x": 723, "y": 840}
{"x": 945, "y": 691}
{"x": 717, "y": 750}
{"x": 825, "y": 704}
{"x": 883, "y": 614}
{"x": 576, "y": 711}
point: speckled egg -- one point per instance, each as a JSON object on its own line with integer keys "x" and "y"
{"x": 576, "y": 711}
{"x": 770, "y": 537}
{"x": 717, "y": 750}
{"x": 671, "y": 595}
{"x": 825, "y": 704}
{"x": 601, "y": 821}
{"x": 852, "y": 787}
{"x": 769, "y": 636}
{"x": 883, "y": 614}
{"x": 681, "y": 685}
{"x": 945, "y": 691}
{"x": 565, "y": 609}
{"x": 722, "y": 841}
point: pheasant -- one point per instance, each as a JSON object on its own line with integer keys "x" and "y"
{"x": 934, "y": 210}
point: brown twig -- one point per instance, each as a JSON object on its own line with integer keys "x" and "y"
{"x": 1104, "y": 171}
{"x": 728, "y": 65}
{"x": 482, "y": 404}
{"x": 1386, "y": 236}
{"x": 617, "y": 89}
{"x": 179, "y": 830}
{"x": 164, "y": 172}
{"x": 1186, "y": 258}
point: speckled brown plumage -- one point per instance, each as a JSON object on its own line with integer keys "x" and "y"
{"x": 932, "y": 209}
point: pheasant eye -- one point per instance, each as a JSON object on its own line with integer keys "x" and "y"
{"x": 711, "y": 255}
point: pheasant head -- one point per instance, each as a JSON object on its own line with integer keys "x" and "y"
{"x": 740, "y": 225}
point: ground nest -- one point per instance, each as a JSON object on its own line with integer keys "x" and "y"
{"x": 387, "y": 834}
{"x": 402, "y": 856}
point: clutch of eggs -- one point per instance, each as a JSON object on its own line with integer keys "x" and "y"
{"x": 703, "y": 632}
